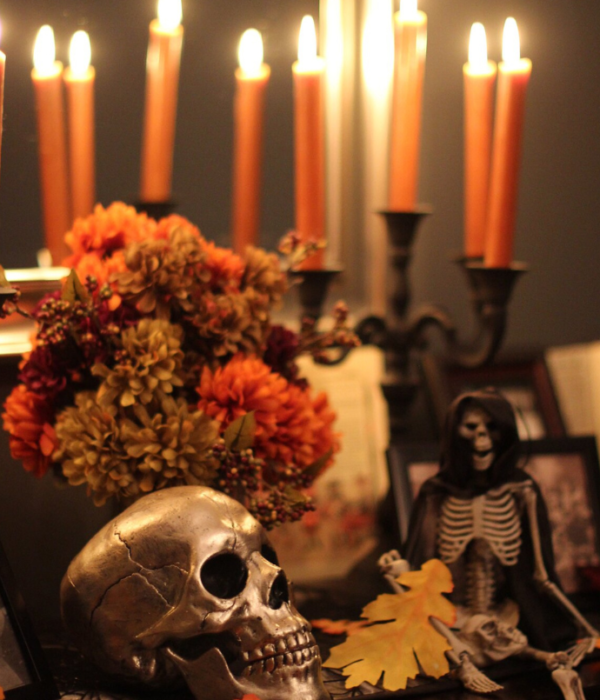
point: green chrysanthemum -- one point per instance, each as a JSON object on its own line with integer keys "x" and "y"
{"x": 149, "y": 363}
{"x": 91, "y": 451}
{"x": 172, "y": 447}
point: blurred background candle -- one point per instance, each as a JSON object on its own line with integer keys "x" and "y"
{"x": 309, "y": 141}
{"x": 410, "y": 30}
{"x": 252, "y": 77}
{"x": 479, "y": 81}
{"x": 162, "y": 83}
{"x": 79, "y": 81}
{"x": 47, "y": 83}
{"x": 2, "y": 68}
{"x": 514, "y": 74}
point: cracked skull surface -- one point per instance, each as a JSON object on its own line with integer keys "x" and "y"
{"x": 184, "y": 583}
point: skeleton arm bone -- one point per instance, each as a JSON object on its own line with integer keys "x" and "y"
{"x": 540, "y": 574}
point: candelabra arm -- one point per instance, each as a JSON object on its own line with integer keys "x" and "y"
{"x": 372, "y": 330}
{"x": 479, "y": 351}
{"x": 490, "y": 291}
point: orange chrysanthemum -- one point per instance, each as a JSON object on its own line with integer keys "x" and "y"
{"x": 32, "y": 439}
{"x": 107, "y": 230}
{"x": 241, "y": 386}
{"x": 93, "y": 265}
{"x": 166, "y": 226}
{"x": 291, "y": 427}
{"x": 226, "y": 268}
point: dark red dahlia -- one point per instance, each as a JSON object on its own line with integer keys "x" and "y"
{"x": 281, "y": 352}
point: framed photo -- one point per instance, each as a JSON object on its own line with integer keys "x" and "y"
{"x": 525, "y": 382}
{"x": 24, "y": 674}
{"x": 568, "y": 474}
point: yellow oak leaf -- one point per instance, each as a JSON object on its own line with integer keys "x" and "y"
{"x": 403, "y": 635}
{"x": 335, "y": 627}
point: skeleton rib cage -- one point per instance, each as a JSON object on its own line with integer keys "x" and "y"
{"x": 494, "y": 517}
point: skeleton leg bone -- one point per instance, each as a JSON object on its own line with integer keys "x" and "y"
{"x": 569, "y": 682}
{"x": 460, "y": 655}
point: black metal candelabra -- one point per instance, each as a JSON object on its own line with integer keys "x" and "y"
{"x": 402, "y": 334}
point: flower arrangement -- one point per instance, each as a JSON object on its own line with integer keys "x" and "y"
{"x": 158, "y": 365}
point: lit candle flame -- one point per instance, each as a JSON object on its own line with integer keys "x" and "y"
{"x": 251, "y": 53}
{"x": 408, "y": 9}
{"x": 511, "y": 44}
{"x": 378, "y": 48}
{"x": 307, "y": 45}
{"x": 44, "y": 52}
{"x": 478, "y": 56}
{"x": 169, "y": 14}
{"x": 80, "y": 53}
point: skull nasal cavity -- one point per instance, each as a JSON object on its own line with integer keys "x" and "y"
{"x": 224, "y": 575}
{"x": 279, "y": 594}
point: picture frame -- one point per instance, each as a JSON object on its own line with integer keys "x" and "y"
{"x": 524, "y": 380}
{"x": 567, "y": 471}
{"x": 24, "y": 673}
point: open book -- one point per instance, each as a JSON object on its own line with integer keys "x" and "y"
{"x": 575, "y": 373}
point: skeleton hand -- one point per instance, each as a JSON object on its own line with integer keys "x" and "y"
{"x": 559, "y": 659}
{"x": 392, "y": 564}
{"x": 472, "y": 678}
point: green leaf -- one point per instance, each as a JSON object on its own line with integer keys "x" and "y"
{"x": 3, "y": 280}
{"x": 240, "y": 434}
{"x": 74, "y": 290}
{"x": 317, "y": 467}
{"x": 293, "y": 496}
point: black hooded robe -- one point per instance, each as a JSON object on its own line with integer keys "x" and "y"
{"x": 547, "y": 625}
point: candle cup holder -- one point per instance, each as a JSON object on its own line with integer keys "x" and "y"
{"x": 403, "y": 335}
{"x": 313, "y": 287}
{"x": 156, "y": 210}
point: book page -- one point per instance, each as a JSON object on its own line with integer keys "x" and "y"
{"x": 571, "y": 371}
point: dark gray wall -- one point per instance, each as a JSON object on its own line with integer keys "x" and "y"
{"x": 557, "y": 229}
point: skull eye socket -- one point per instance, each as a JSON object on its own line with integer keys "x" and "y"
{"x": 471, "y": 425}
{"x": 224, "y": 575}
{"x": 267, "y": 552}
{"x": 489, "y": 626}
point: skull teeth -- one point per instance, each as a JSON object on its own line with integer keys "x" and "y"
{"x": 298, "y": 657}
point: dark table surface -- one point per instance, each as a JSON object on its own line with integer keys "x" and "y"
{"x": 521, "y": 680}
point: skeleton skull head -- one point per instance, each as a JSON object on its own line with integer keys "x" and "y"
{"x": 185, "y": 583}
{"x": 477, "y": 428}
{"x": 491, "y": 640}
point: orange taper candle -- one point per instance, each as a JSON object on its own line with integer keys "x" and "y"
{"x": 409, "y": 71}
{"x": 162, "y": 83}
{"x": 479, "y": 81}
{"x": 252, "y": 77}
{"x": 47, "y": 82}
{"x": 2, "y": 69}
{"x": 309, "y": 142}
{"x": 506, "y": 154}
{"x": 79, "y": 81}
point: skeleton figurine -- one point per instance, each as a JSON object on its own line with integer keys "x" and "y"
{"x": 485, "y": 518}
{"x": 185, "y": 585}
